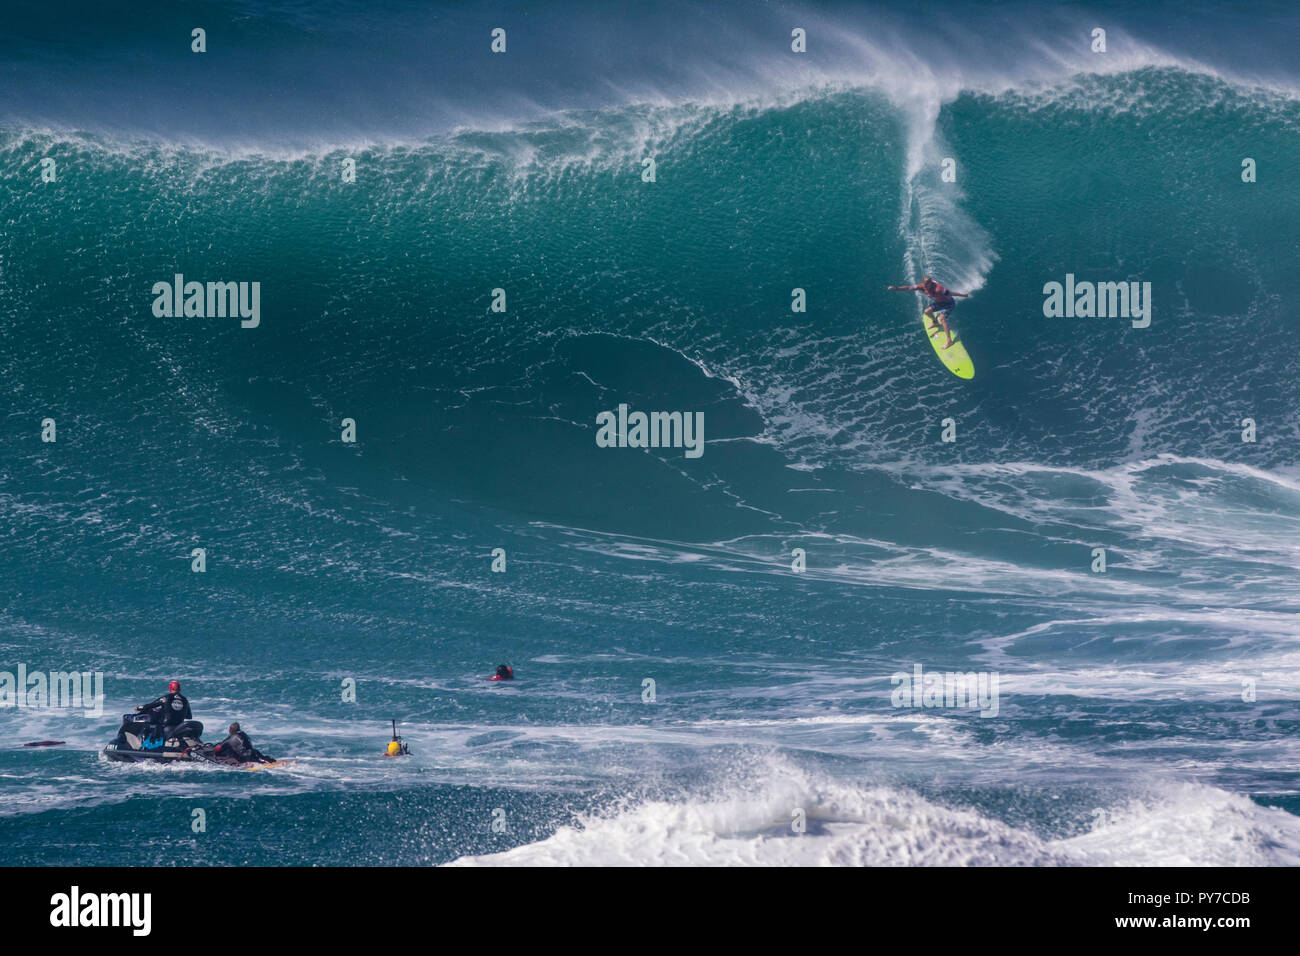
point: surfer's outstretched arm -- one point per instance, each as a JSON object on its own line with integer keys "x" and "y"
{"x": 964, "y": 295}
{"x": 905, "y": 288}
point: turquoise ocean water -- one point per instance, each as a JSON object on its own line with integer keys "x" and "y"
{"x": 1122, "y": 735}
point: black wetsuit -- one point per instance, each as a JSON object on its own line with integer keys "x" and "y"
{"x": 168, "y": 711}
{"x": 238, "y": 745}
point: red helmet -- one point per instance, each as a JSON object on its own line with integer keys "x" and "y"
{"x": 174, "y": 687}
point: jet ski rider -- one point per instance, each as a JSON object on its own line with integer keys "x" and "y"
{"x": 168, "y": 710}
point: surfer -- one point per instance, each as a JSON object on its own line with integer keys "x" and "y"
{"x": 941, "y": 302}
{"x": 504, "y": 672}
{"x": 238, "y": 746}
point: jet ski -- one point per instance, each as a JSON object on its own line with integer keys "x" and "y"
{"x": 140, "y": 739}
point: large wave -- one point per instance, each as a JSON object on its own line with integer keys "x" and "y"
{"x": 823, "y": 427}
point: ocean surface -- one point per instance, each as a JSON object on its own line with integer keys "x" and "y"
{"x": 1147, "y": 715}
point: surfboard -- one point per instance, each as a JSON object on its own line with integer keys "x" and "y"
{"x": 955, "y": 356}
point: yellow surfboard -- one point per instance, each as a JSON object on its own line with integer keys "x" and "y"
{"x": 954, "y": 356}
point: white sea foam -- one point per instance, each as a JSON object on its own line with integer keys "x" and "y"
{"x": 864, "y": 825}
